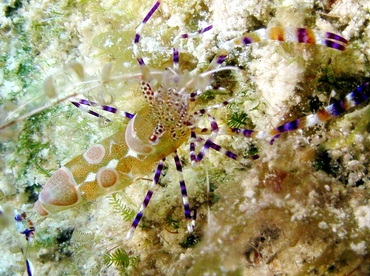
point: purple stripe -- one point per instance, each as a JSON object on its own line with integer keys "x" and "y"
{"x": 18, "y": 217}
{"x": 192, "y": 147}
{"x": 210, "y": 144}
{"x": 178, "y": 163}
{"x": 255, "y": 157}
{"x": 221, "y": 59}
{"x": 147, "y": 198}
{"x": 274, "y": 138}
{"x": 94, "y": 113}
{"x": 109, "y": 108}
{"x": 200, "y": 156}
{"x": 137, "y": 38}
{"x": 207, "y": 144}
{"x": 289, "y": 126}
{"x": 28, "y": 232}
{"x": 247, "y": 40}
{"x": 205, "y": 29}
{"x": 231, "y": 155}
{"x": 129, "y": 115}
{"x": 137, "y": 220}
{"x": 187, "y": 211}
{"x": 141, "y": 61}
{"x": 175, "y": 56}
{"x": 336, "y": 37}
{"x": 158, "y": 172}
{"x": 192, "y": 154}
{"x": 195, "y": 214}
{"x": 334, "y": 45}
{"x": 302, "y": 35}
{"x": 75, "y": 104}
{"x": 214, "y": 126}
{"x": 86, "y": 102}
{"x": 28, "y": 266}
{"x": 336, "y": 108}
{"x": 184, "y": 36}
{"x": 247, "y": 132}
{"x": 183, "y": 188}
{"x": 152, "y": 10}
{"x": 360, "y": 94}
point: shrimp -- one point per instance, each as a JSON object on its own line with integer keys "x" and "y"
{"x": 168, "y": 118}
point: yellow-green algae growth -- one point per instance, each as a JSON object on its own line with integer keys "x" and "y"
{"x": 301, "y": 209}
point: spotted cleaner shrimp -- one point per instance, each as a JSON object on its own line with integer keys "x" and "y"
{"x": 167, "y": 120}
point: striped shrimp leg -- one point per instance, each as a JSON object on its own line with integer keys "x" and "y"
{"x": 213, "y": 131}
{"x": 26, "y": 227}
{"x": 144, "y": 70}
{"x": 185, "y": 36}
{"x": 289, "y": 34}
{"x": 297, "y": 35}
{"x": 209, "y": 144}
{"x": 356, "y": 97}
{"x": 147, "y": 198}
{"x": 184, "y": 194}
{"x": 82, "y": 103}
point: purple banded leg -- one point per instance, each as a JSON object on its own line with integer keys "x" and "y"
{"x": 352, "y": 99}
{"x": 106, "y": 108}
{"x": 214, "y": 132}
{"x": 144, "y": 70}
{"x": 147, "y": 198}
{"x": 141, "y": 25}
{"x": 248, "y": 133}
{"x": 192, "y": 35}
{"x": 218, "y": 60}
{"x": 91, "y": 112}
{"x": 193, "y": 138}
{"x": 210, "y": 144}
{"x": 184, "y": 194}
{"x": 176, "y": 60}
{"x": 203, "y": 111}
{"x": 186, "y": 36}
{"x": 335, "y": 41}
{"x": 356, "y": 97}
{"x": 327, "y": 39}
{"x": 214, "y": 126}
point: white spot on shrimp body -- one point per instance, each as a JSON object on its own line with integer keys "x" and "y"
{"x": 90, "y": 177}
{"x": 113, "y": 164}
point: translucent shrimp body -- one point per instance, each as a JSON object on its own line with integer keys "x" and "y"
{"x": 168, "y": 118}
